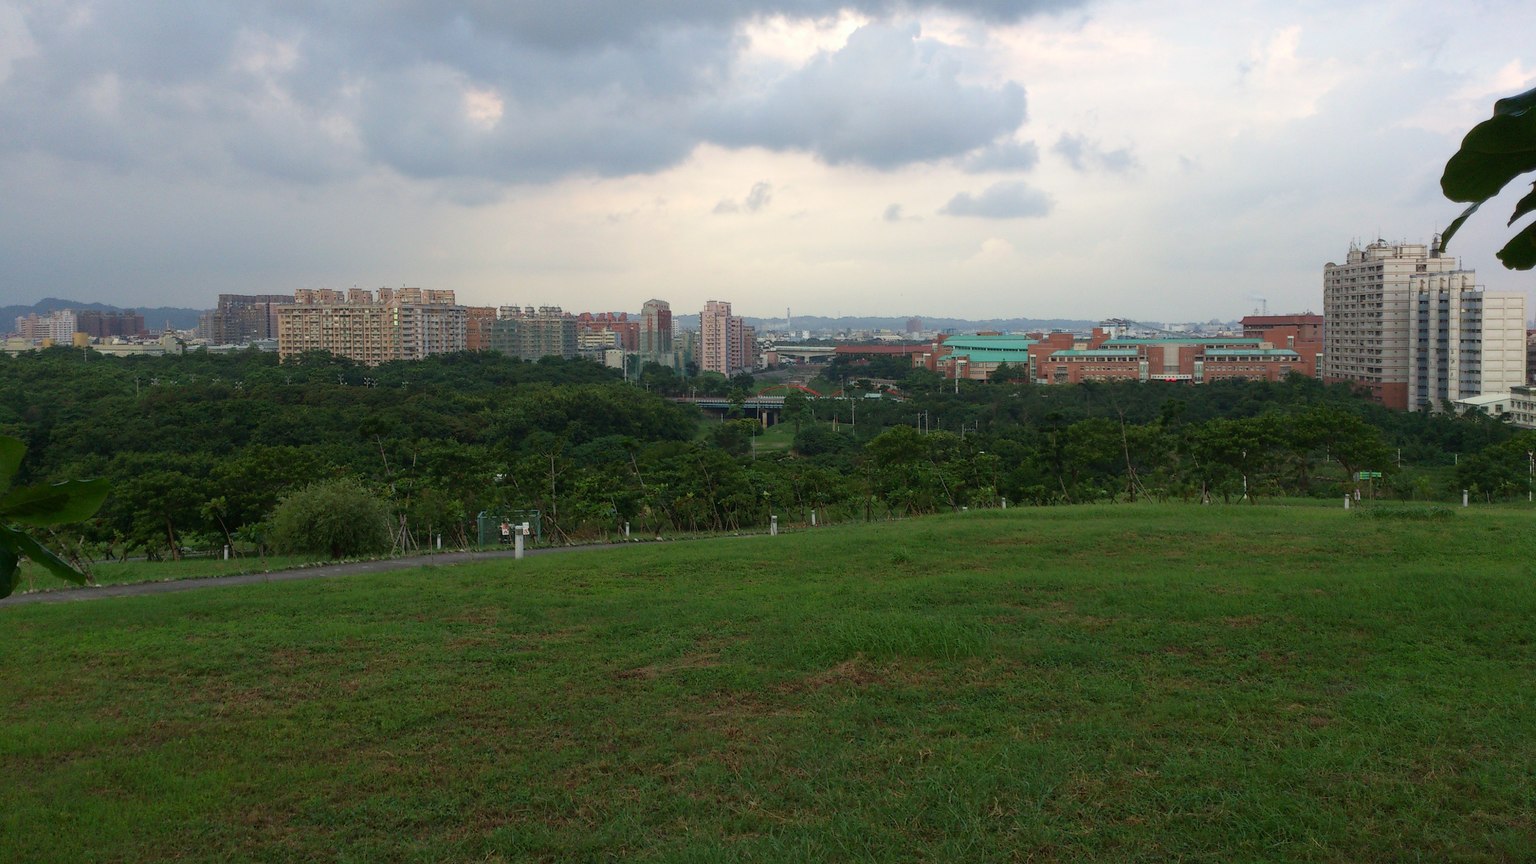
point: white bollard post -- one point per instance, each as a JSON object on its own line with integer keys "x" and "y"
{"x": 226, "y": 551}
{"x": 1463, "y": 497}
{"x": 1346, "y": 502}
{"x": 439, "y": 542}
{"x": 518, "y": 533}
{"x": 626, "y": 530}
{"x": 773, "y": 526}
{"x": 813, "y": 518}
{"x": 1005, "y": 503}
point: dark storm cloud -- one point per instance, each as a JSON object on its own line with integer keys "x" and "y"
{"x": 1006, "y": 200}
{"x": 314, "y": 93}
{"x": 576, "y": 23}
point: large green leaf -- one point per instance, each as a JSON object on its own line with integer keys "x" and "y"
{"x": 1494, "y": 153}
{"x": 1520, "y": 252}
{"x": 13, "y": 541}
{"x": 11, "y": 451}
{"x": 1472, "y": 175}
{"x": 1450, "y": 231}
{"x": 1503, "y": 133}
{"x": 1518, "y": 102}
{"x": 60, "y": 503}
{"x": 10, "y": 572}
{"x": 1524, "y": 205}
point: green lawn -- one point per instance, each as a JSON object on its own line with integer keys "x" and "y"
{"x": 35, "y": 578}
{"x": 1116, "y": 683}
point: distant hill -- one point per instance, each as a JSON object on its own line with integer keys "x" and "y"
{"x": 155, "y": 317}
{"x": 899, "y": 325}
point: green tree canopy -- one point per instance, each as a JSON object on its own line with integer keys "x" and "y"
{"x": 339, "y": 518}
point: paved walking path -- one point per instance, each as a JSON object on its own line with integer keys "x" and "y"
{"x": 322, "y": 571}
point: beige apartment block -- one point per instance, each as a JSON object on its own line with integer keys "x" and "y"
{"x": 1366, "y": 312}
{"x": 528, "y": 333}
{"x": 726, "y": 344}
{"x": 715, "y": 337}
{"x": 399, "y": 324}
{"x": 1463, "y": 342}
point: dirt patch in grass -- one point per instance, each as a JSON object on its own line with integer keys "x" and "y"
{"x": 1091, "y": 622}
{"x": 656, "y": 670}
{"x": 855, "y": 672}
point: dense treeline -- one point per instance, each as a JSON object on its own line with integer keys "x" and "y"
{"x": 201, "y": 448}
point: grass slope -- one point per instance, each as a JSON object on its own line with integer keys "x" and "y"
{"x": 1131, "y": 683}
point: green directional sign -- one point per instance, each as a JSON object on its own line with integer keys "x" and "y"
{"x": 1367, "y": 475}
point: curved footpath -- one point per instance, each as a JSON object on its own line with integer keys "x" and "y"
{"x": 323, "y": 571}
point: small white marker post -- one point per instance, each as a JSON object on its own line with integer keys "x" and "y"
{"x": 226, "y": 551}
{"x": 1463, "y": 497}
{"x": 626, "y": 530}
{"x": 1346, "y": 502}
{"x": 1005, "y": 503}
{"x": 773, "y": 526}
{"x": 813, "y": 518}
{"x": 518, "y": 533}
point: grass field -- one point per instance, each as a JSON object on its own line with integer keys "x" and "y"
{"x": 35, "y": 578}
{"x": 1118, "y": 683}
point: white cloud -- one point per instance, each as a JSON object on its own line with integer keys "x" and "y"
{"x": 16, "y": 42}
{"x": 1085, "y": 155}
{"x": 578, "y": 150}
{"x": 1005, "y": 200}
{"x": 886, "y": 98}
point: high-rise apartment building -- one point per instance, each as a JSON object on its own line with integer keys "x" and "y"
{"x": 400, "y": 324}
{"x": 1410, "y": 325}
{"x": 57, "y": 326}
{"x": 1366, "y": 312}
{"x": 656, "y": 332}
{"x": 743, "y": 345}
{"x": 478, "y": 322}
{"x": 616, "y": 323}
{"x": 1463, "y": 341}
{"x": 714, "y": 337}
{"x": 528, "y": 333}
{"x": 106, "y": 325}
{"x": 726, "y": 344}
{"x": 241, "y": 318}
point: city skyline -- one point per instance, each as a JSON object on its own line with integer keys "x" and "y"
{"x": 976, "y": 159}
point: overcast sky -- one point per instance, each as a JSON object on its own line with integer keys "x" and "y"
{"x": 1163, "y": 161}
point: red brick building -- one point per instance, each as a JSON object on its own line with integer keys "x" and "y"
{"x": 1301, "y": 333}
{"x": 612, "y": 322}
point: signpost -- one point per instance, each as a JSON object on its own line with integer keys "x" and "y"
{"x": 1367, "y": 477}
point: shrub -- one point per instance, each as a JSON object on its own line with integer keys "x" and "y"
{"x": 337, "y": 518}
